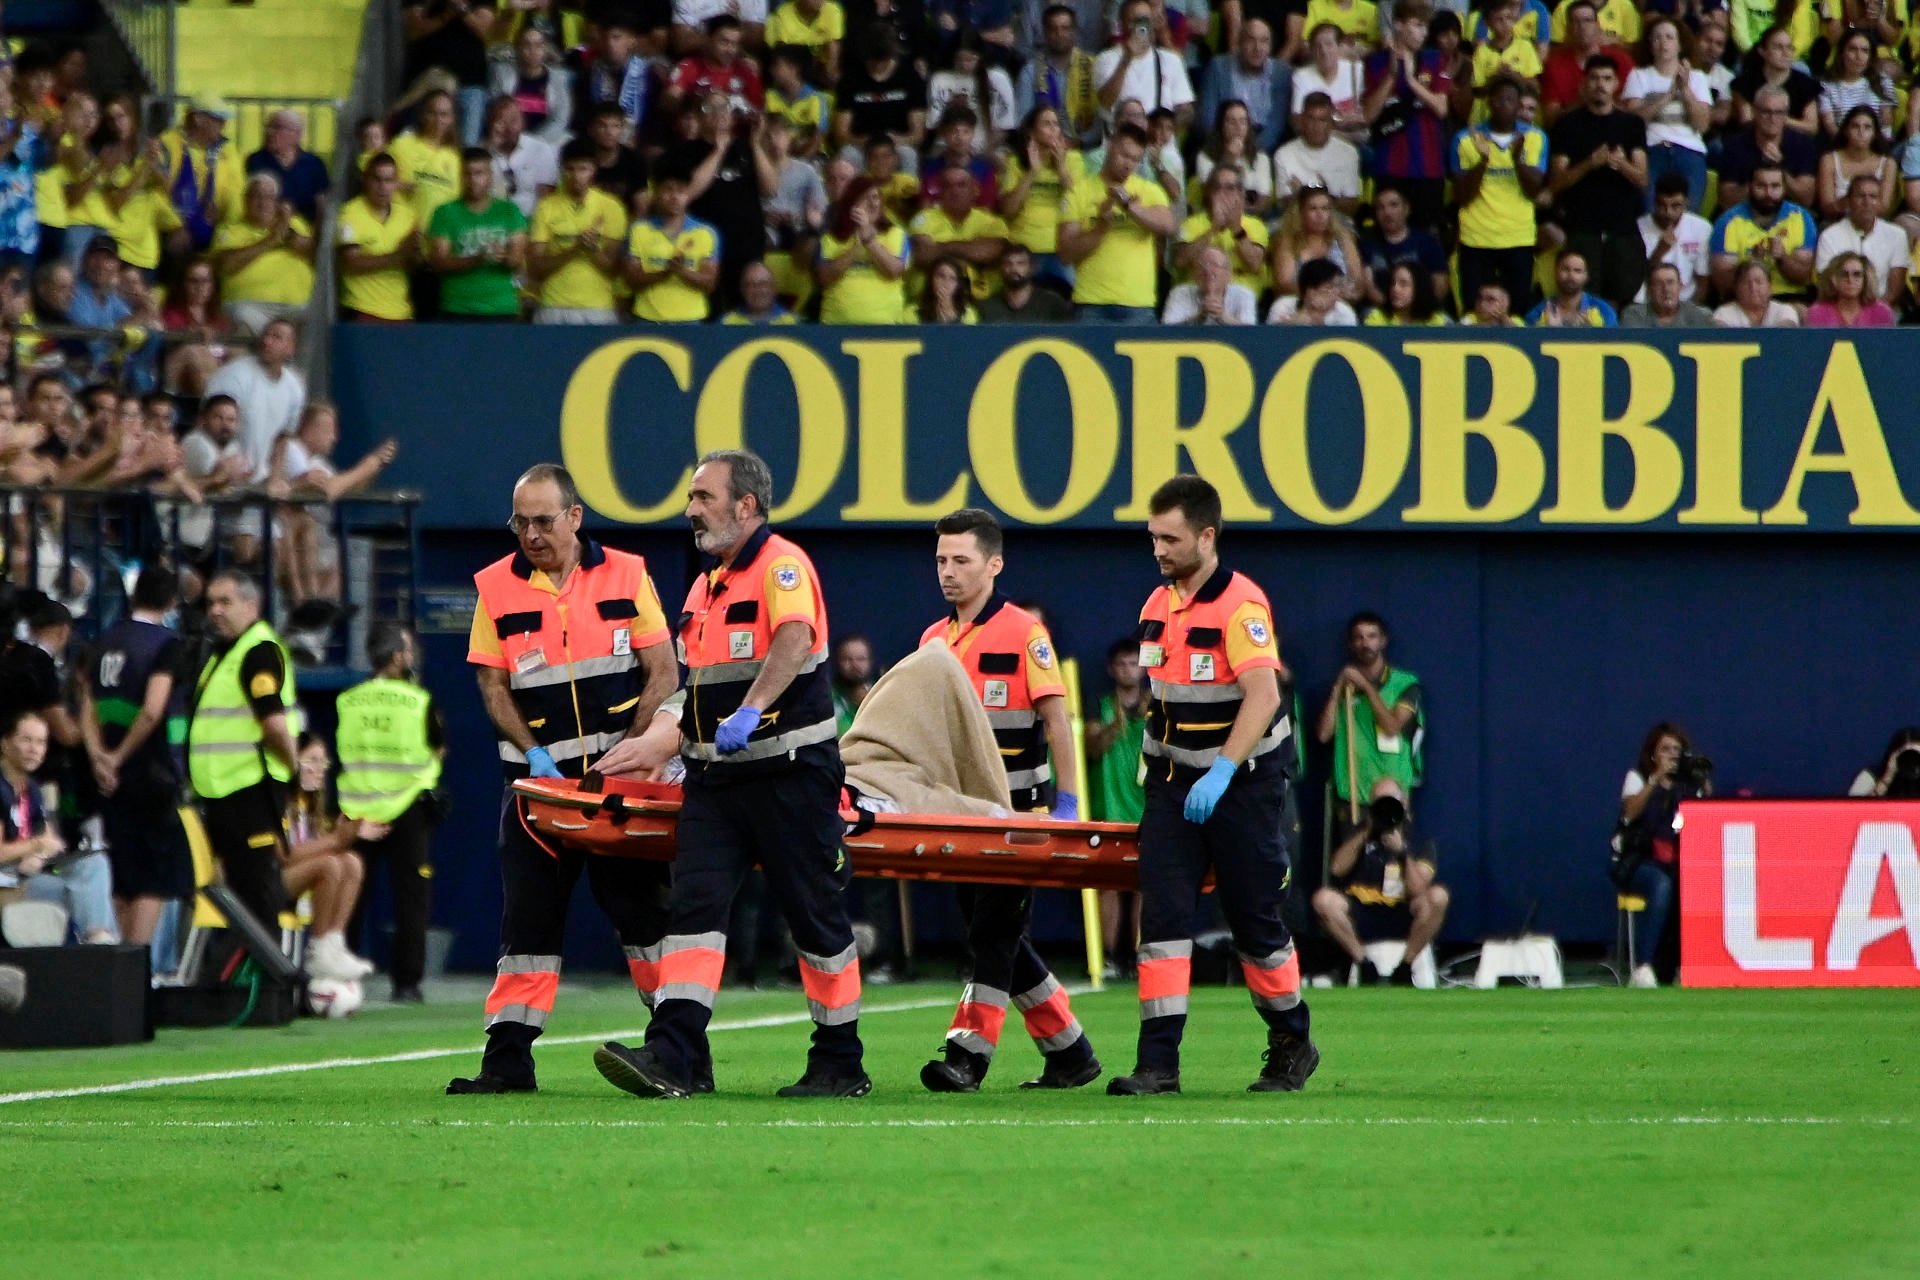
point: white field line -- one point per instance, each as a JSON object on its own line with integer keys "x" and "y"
{"x": 423, "y": 1055}
{"x": 1021, "y": 1122}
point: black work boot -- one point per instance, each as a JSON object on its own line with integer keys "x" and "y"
{"x": 485, "y": 1083}
{"x": 638, "y": 1071}
{"x": 957, "y": 1071}
{"x": 823, "y": 1081}
{"x": 1071, "y": 1074}
{"x": 1143, "y": 1081}
{"x": 1289, "y": 1061}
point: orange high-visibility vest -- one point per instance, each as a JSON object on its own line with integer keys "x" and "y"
{"x": 1193, "y": 651}
{"x": 724, "y": 636}
{"x": 995, "y": 648}
{"x": 571, "y": 659}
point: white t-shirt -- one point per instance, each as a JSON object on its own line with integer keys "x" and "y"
{"x": 535, "y": 163}
{"x": 1256, "y": 177}
{"x": 1885, "y": 247}
{"x": 1634, "y": 785}
{"x": 1344, "y": 88}
{"x": 1282, "y": 312}
{"x": 1864, "y": 784}
{"x": 269, "y": 407}
{"x": 297, "y": 462}
{"x": 1157, "y": 82}
{"x": 1672, "y": 128}
{"x": 1183, "y": 306}
{"x": 1335, "y": 166}
{"x": 696, "y": 13}
{"x": 1779, "y": 316}
{"x": 945, "y": 88}
{"x": 1690, "y": 240}
{"x": 200, "y": 455}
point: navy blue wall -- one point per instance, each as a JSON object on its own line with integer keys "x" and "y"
{"x": 1545, "y": 658}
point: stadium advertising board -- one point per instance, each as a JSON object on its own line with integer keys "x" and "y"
{"x": 1800, "y": 893}
{"x": 1381, "y": 429}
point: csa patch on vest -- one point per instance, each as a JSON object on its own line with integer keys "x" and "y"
{"x": 787, "y": 577}
{"x": 1257, "y": 631}
{"x": 622, "y": 642}
{"x": 264, "y": 685}
{"x": 1199, "y": 668}
{"x": 995, "y": 694}
{"x": 1042, "y": 654}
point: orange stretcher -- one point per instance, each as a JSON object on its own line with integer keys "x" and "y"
{"x": 617, "y": 818}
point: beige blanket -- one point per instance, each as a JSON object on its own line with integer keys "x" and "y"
{"x": 921, "y": 740}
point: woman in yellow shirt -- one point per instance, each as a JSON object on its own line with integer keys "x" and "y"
{"x": 69, "y": 193}
{"x": 860, "y": 264}
{"x": 428, "y": 156}
{"x": 265, "y": 258}
{"x": 142, "y": 218}
{"x": 1038, "y": 172}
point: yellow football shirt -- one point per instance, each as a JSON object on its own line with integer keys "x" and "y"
{"x": 863, "y": 295}
{"x": 1037, "y": 225}
{"x": 558, "y": 221}
{"x": 278, "y": 275}
{"x": 1361, "y": 19}
{"x": 380, "y": 293}
{"x": 787, "y": 25}
{"x": 144, "y": 218}
{"x": 1120, "y": 272}
{"x": 671, "y": 299}
{"x": 1501, "y": 217}
{"x": 432, "y": 171}
{"x": 1200, "y": 226}
{"x": 934, "y": 223}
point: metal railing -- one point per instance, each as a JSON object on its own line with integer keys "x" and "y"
{"x": 148, "y": 29}
{"x": 85, "y": 546}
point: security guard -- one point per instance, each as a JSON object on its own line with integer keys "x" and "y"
{"x": 1010, "y": 658}
{"x": 763, "y": 786}
{"x": 1217, "y": 752}
{"x": 240, "y": 745}
{"x": 391, "y": 742}
{"x": 572, "y": 657}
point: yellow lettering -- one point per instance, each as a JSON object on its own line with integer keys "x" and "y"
{"x": 1226, "y": 400}
{"x": 1719, "y": 409}
{"x": 586, "y": 429}
{"x": 1658, "y": 471}
{"x": 1863, "y": 450}
{"x": 721, "y": 421}
{"x": 1519, "y": 466}
{"x": 1386, "y": 431}
{"x": 883, "y": 482}
{"x": 1093, "y": 421}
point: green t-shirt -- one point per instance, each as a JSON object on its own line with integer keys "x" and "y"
{"x": 487, "y": 289}
{"x": 1117, "y": 793}
{"x": 1377, "y": 755}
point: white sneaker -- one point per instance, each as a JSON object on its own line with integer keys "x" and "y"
{"x": 328, "y": 957}
{"x": 1643, "y": 977}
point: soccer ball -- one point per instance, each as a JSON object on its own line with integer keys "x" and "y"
{"x": 334, "y": 997}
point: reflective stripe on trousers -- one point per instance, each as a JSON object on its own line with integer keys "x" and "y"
{"x": 689, "y": 967}
{"x": 523, "y": 990}
{"x": 1274, "y": 980}
{"x": 644, "y": 964}
{"x": 833, "y": 986}
{"x": 977, "y": 1021}
{"x": 1049, "y": 1016}
{"x": 1166, "y": 970}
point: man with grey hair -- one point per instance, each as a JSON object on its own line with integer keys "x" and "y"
{"x": 763, "y": 786}
{"x": 1213, "y": 297}
{"x": 569, "y": 646}
{"x": 304, "y": 180}
{"x": 1768, "y": 141}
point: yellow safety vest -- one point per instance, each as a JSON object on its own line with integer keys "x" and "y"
{"x": 225, "y": 746}
{"x": 385, "y": 761}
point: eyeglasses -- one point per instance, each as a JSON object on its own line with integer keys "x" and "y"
{"x": 543, "y": 524}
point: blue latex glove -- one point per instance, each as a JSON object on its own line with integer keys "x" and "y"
{"x": 1066, "y": 806}
{"x": 540, "y": 764}
{"x": 1206, "y": 793}
{"x": 734, "y": 731}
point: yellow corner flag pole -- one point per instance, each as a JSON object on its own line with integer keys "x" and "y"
{"x": 1089, "y": 898}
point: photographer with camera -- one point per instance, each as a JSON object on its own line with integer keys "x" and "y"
{"x": 1646, "y": 845}
{"x": 1898, "y": 775}
{"x": 1381, "y": 886}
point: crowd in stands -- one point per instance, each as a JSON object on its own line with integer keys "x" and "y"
{"x": 1683, "y": 163}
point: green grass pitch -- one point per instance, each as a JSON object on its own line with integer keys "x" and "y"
{"x": 1584, "y": 1133}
